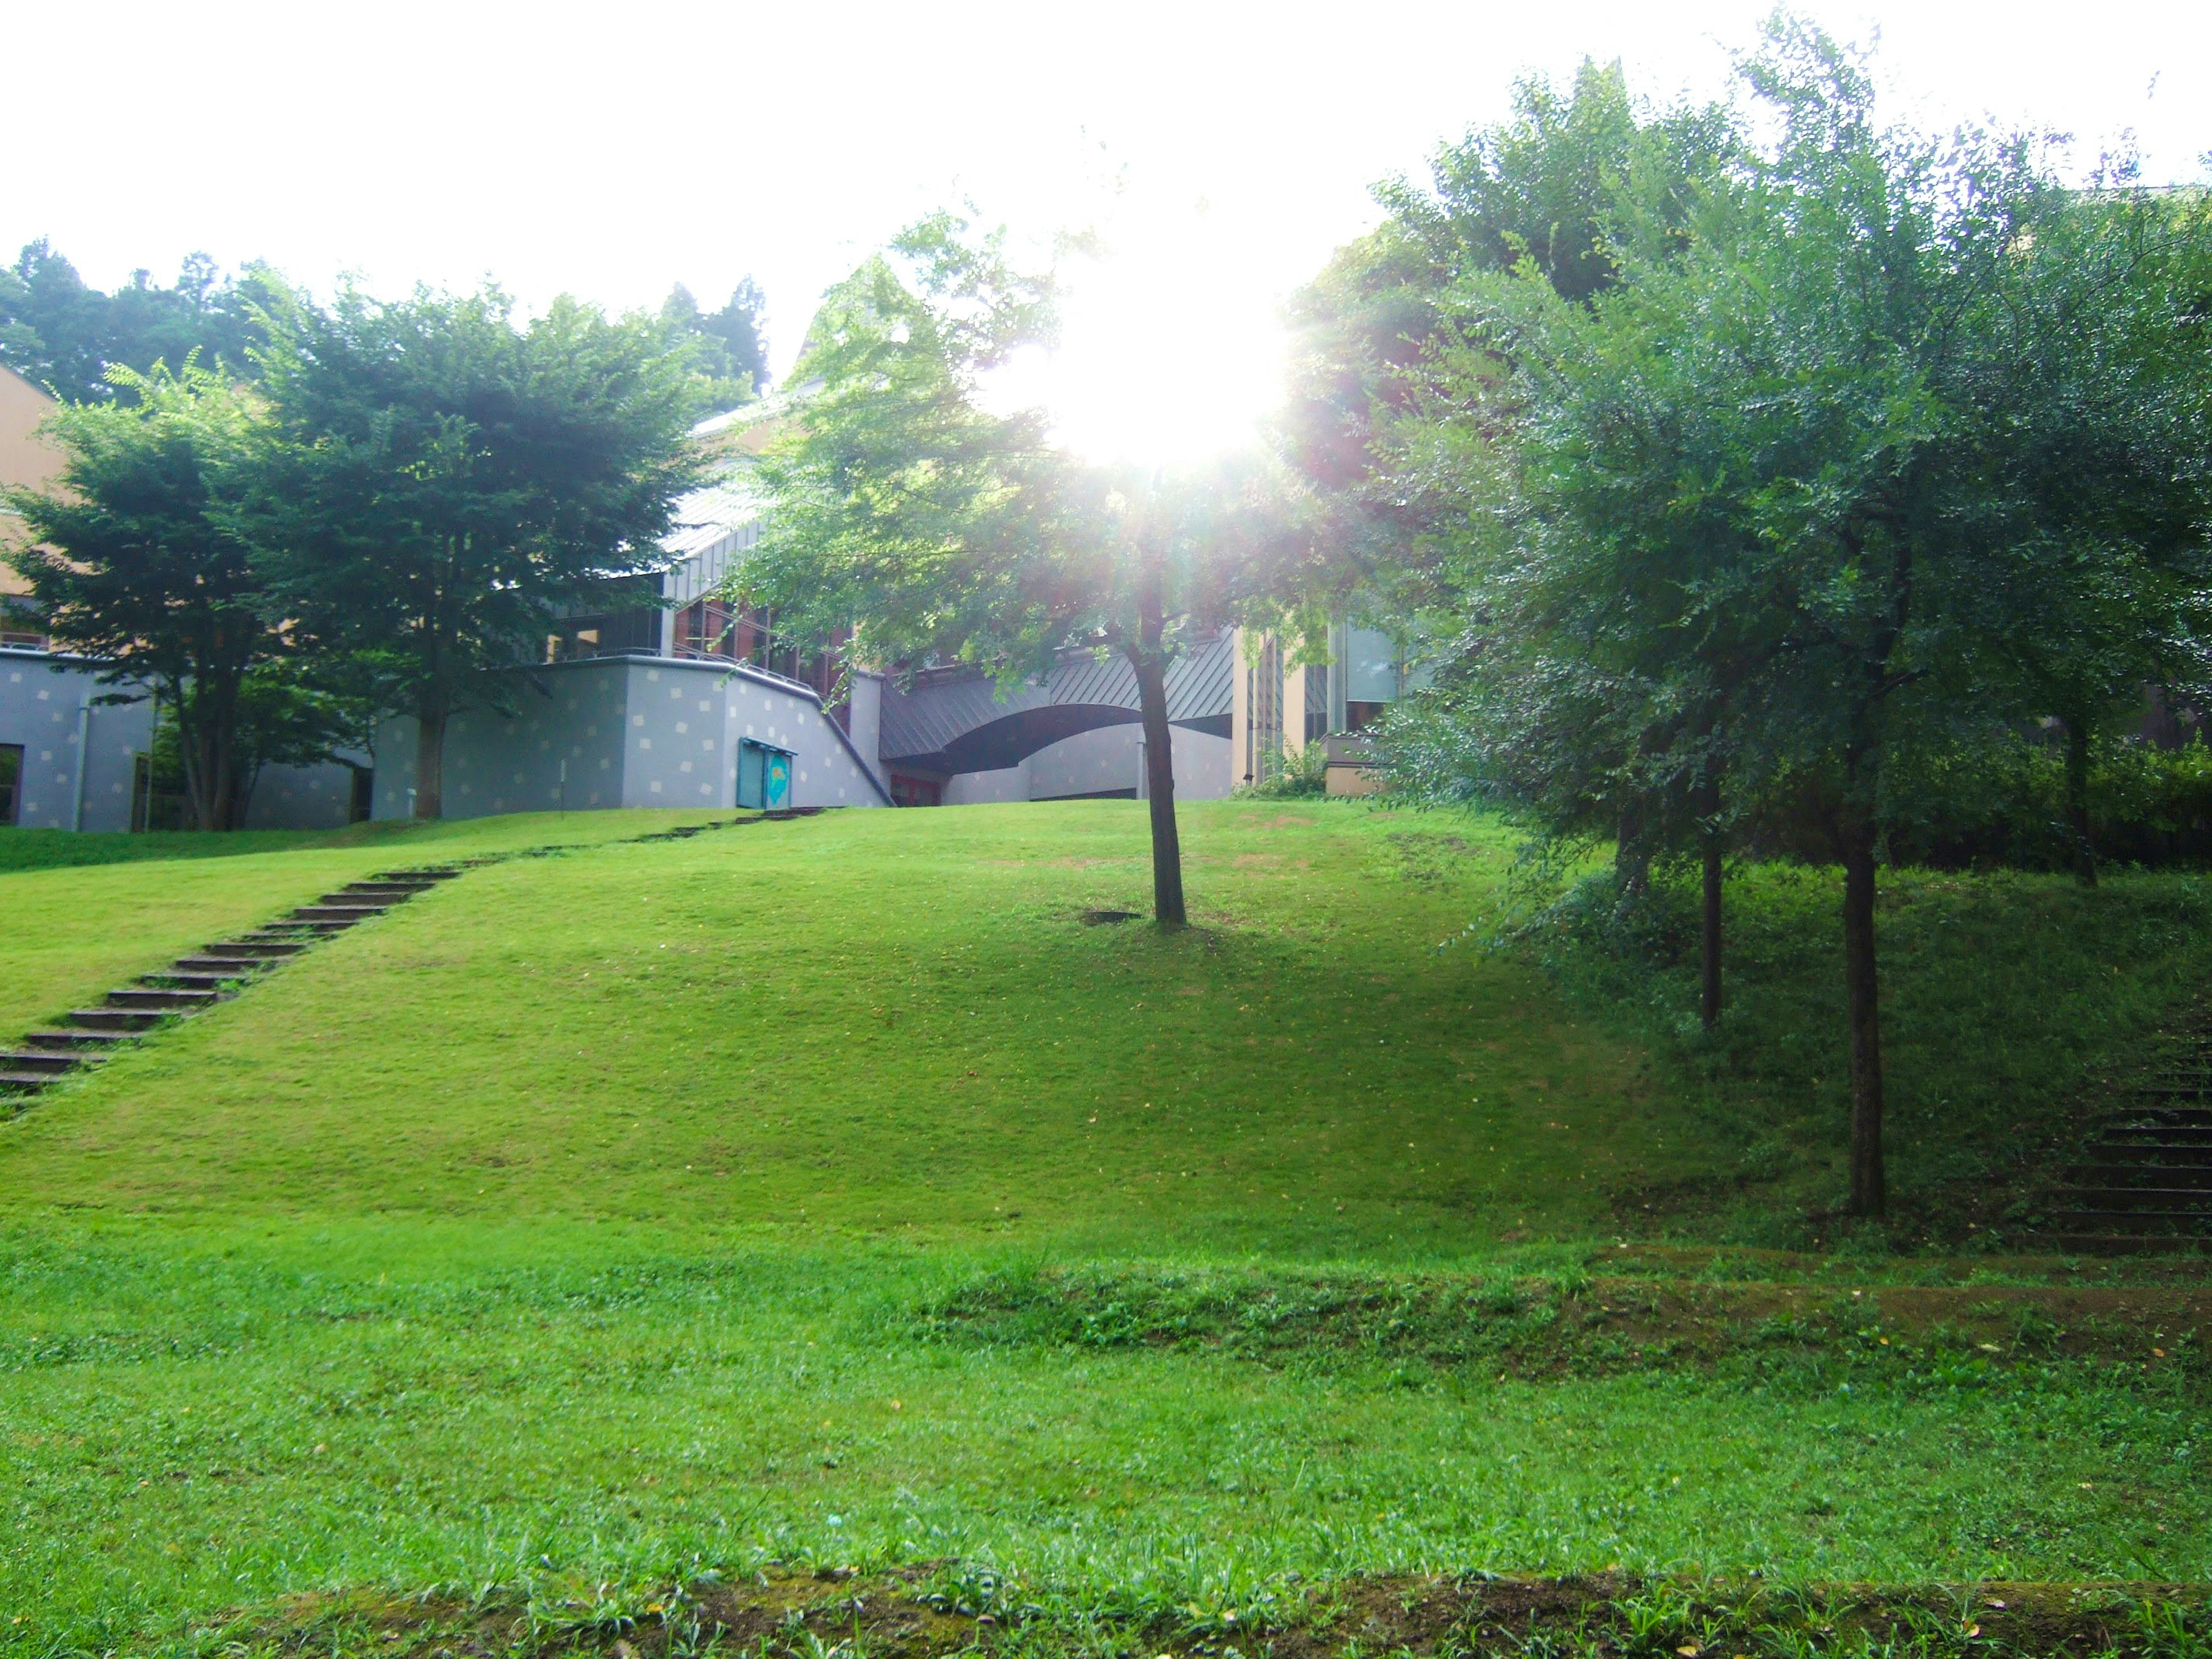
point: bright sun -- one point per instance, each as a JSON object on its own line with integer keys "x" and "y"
{"x": 1171, "y": 346}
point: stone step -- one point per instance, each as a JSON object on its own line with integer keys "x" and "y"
{"x": 438, "y": 874}
{"x": 374, "y": 903}
{"x": 159, "y": 1002}
{"x": 269, "y": 950}
{"x": 343, "y": 916}
{"x": 175, "y": 979}
{"x": 229, "y": 967}
{"x": 318, "y": 929}
{"x": 115, "y": 1019}
{"x": 2093, "y": 1243}
{"x": 52, "y": 1062}
{"x": 2180, "y": 1134}
{"x": 2176, "y": 1197}
{"x": 403, "y": 889}
{"x": 2144, "y": 1147}
{"x": 2185, "y": 1222}
{"x": 2186, "y": 1166}
{"x": 24, "y": 1082}
{"x": 90, "y": 1041}
{"x": 2147, "y": 1155}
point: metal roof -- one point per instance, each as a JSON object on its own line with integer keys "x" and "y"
{"x": 713, "y": 524}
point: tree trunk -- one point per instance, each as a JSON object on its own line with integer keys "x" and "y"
{"x": 1631, "y": 859}
{"x": 1708, "y": 940}
{"x": 2077, "y": 801}
{"x": 430, "y": 716}
{"x": 1862, "y": 994}
{"x": 1152, "y": 666}
{"x": 207, "y": 743}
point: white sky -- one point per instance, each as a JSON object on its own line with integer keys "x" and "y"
{"x": 611, "y": 150}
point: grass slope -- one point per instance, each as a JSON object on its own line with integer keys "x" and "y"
{"x": 877, "y": 1021}
{"x": 598, "y": 1219}
{"x": 74, "y": 932}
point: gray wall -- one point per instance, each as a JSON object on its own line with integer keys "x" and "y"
{"x": 302, "y": 797}
{"x": 635, "y": 732}
{"x": 1096, "y": 762}
{"x": 42, "y": 709}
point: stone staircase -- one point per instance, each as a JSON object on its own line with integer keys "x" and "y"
{"x": 2144, "y": 1184}
{"x": 87, "y": 1036}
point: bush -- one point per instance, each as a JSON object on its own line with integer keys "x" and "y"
{"x": 2007, "y": 805}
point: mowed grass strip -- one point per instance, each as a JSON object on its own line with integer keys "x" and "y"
{"x": 893, "y": 1021}
{"x": 217, "y": 1428}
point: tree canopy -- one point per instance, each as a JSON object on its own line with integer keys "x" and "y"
{"x": 944, "y": 530}
{"x": 138, "y": 558}
{"x": 1894, "y": 445}
{"x": 729, "y": 347}
{"x": 443, "y": 480}
{"x": 57, "y": 331}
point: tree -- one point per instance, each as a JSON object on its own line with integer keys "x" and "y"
{"x": 138, "y": 561}
{"x": 1401, "y": 390}
{"x": 1809, "y": 484}
{"x": 940, "y": 530}
{"x": 444, "y": 481}
{"x": 58, "y": 333}
{"x": 730, "y": 346}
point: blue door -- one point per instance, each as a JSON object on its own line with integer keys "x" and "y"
{"x": 763, "y": 776}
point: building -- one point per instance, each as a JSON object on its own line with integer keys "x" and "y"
{"x": 662, "y": 694}
{"x": 71, "y": 758}
{"x": 68, "y": 761}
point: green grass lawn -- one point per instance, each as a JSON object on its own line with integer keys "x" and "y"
{"x": 577, "y": 1227}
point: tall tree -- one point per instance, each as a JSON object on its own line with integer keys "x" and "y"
{"x": 730, "y": 346}
{"x": 57, "y": 331}
{"x": 942, "y": 529}
{"x": 1799, "y": 482}
{"x": 447, "y": 480}
{"x": 138, "y": 561}
{"x": 1400, "y": 393}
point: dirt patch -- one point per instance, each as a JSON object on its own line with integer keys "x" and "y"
{"x": 927, "y": 1611}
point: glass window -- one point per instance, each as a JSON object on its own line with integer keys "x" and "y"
{"x": 11, "y": 779}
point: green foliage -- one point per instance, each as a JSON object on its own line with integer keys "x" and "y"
{"x": 2011, "y": 1001}
{"x": 2011, "y": 802}
{"x": 1895, "y": 447}
{"x": 939, "y": 530}
{"x": 904, "y": 508}
{"x": 1300, "y": 777}
{"x": 443, "y": 481}
{"x": 138, "y": 559}
{"x": 729, "y": 346}
{"x": 1562, "y": 190}
{"x": 57, "y": 332}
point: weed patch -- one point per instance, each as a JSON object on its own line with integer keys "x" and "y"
{"x": 929, "y": 1612}
{"x": 1539, "y": 1325}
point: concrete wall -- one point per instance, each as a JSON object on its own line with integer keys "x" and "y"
{"x": 1098, "y": 763}
{"x": 984, "y": 788}
{"x": 302, "y": 797}
{"x": 43, "y": 710}
{"x": 634, "y": 732}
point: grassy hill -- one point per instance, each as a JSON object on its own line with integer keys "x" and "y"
{"x": 841, "y": 1192}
